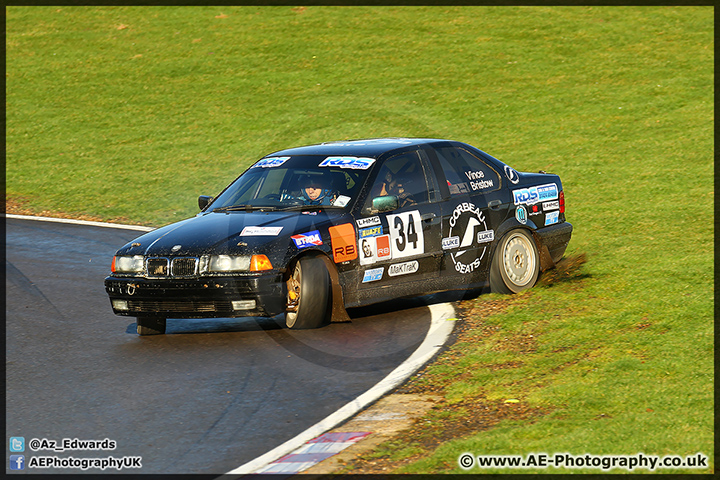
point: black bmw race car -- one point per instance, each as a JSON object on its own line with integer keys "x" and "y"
{"x": 310, "y": 231}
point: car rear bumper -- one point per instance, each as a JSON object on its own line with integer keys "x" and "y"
{"x": 552, "y": 242}
{"x": 237, "y": 296}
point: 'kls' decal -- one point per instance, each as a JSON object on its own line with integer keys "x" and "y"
{"x": 406, "y": 234}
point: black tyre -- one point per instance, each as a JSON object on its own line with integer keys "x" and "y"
{"x": 150, "y": 325}
{"x": 308, "y": 295}
{"x": 515, "y": 266}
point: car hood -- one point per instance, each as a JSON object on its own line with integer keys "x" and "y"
{"x": 229, "y": 233}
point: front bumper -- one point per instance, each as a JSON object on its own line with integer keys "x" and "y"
{"x": 203, "y": 297}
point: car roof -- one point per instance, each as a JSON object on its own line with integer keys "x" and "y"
{"x": 371, "y": 147}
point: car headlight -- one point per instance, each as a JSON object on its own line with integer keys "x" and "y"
{"x": 122, "y": 264}
{"x": 234, "y": 263}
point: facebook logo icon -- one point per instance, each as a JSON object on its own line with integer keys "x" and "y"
{"x": 17, "y": 462}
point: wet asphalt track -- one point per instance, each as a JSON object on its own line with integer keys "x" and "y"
{"x": 208, "y": 396}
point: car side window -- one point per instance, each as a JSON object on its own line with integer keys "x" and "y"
{"x": 401, "y": 176}
{"x": 466, "y": 173}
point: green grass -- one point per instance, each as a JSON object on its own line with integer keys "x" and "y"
{"x": 132, "y": 112}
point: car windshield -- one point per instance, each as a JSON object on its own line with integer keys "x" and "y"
{"x": 296, "y": 182}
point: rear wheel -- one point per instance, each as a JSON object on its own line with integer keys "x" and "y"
{"x": 515, "y": 266}
{"x": 150, "y": 325}
{"x": 308, "y": 301}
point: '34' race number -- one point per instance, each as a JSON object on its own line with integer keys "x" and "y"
{"x": 406, "y": 235}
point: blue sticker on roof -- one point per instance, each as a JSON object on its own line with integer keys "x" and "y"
{"x": 271, "y": 162}
{"x": 355, "y": 163}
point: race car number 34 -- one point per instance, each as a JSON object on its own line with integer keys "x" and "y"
{"x": 406, "y": 235}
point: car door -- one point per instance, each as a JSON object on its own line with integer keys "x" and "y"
{"x": 470, "y": 216}
{"x": 399, "y": 248}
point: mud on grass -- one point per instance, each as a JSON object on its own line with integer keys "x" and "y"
{"x": 451, "y": 420}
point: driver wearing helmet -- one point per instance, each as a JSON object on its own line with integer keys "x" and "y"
{"x": 314, "y": 192}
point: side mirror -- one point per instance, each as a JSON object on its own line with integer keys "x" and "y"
{"x": 203, "y": 201}
{"x": 385, "y": 203}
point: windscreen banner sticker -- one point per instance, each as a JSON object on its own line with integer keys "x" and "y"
{"x": 354, "y": 163}
{"x": 551, "y": 205}
{"x": 368, "y": 222}
{"x": 374, "y": 249}
{"x": 403, "y": 268}
{"x": 406, "y": 234}
{"x": 260, "y": 231}
{"x": 373, "y": 275}
{"x": 342, "y": 238}
{"x": 341, "y": 201}
{"x": 512, "y": 174}
{"x": 552, "y": 217}
{"x": 271, "y": 162}
{"x": 468, "y": 225}
{"x": 477, "y": 180}
{"x": 309, "y": 239}
{"x": 371, "y": 231}
{"x": 532, "y": 195}
{"x": 521, "y": 214}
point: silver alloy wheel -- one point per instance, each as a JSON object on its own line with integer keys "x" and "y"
{"x": 519, "y": 259}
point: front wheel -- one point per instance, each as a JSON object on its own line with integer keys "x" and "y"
{"x": 308, "y": 301}
{"x": 515, "y": 266}
{"x": 150, "y": 325}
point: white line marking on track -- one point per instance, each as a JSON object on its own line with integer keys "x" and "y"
{"x": 81, "y": 222}
{"x": 436, "y": 337}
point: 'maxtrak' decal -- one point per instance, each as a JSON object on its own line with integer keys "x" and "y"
{"x": 260, "y": 231}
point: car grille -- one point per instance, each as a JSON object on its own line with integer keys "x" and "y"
{"x": 179, "y": 306}
{"x": 178, "y": 267}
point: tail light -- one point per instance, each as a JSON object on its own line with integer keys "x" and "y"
{"x": 562, "y": 201}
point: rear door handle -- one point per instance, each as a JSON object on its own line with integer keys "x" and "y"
{"x": 427, "y": 216}
{"x": 495, "y": 204}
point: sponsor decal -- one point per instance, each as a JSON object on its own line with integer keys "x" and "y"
{"x": 450, "y": 242}
{"x": 373, "y": 275}
{"x": 406, "y": 234}
{"x": 368, "y": 222}
{"x": 342, "y": 239}
{"x": 521, "y": 214}
{"x": 532, "y": 195}
{"x": 373, "y": 249}
{"x": 341, "y": 201}
{"x": 271, "y": 162}
{"x": 354, "y": 163}
{"x": 467, "y": 225}
{"x": 535, "y": 210}
{"x": 371, "y": 231}
{"x": 551, "y": 205}
{"x": 403, "y": 268}
{"x": 383, "y": 250}
{"x": 304, "y": 240}
{"x": 309, "y": 213}
{"x": 260, "y": 231}
{"x": 512, "y": 174}
{"x": 368, "y": 250}
{"x": 552, "y": 217}
{"x": 477, "y": 180}
{"x": 486, "y": 237}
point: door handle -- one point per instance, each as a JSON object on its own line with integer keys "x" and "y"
{"x": 495, "y": 204}
{"x": 427, "y": 216}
